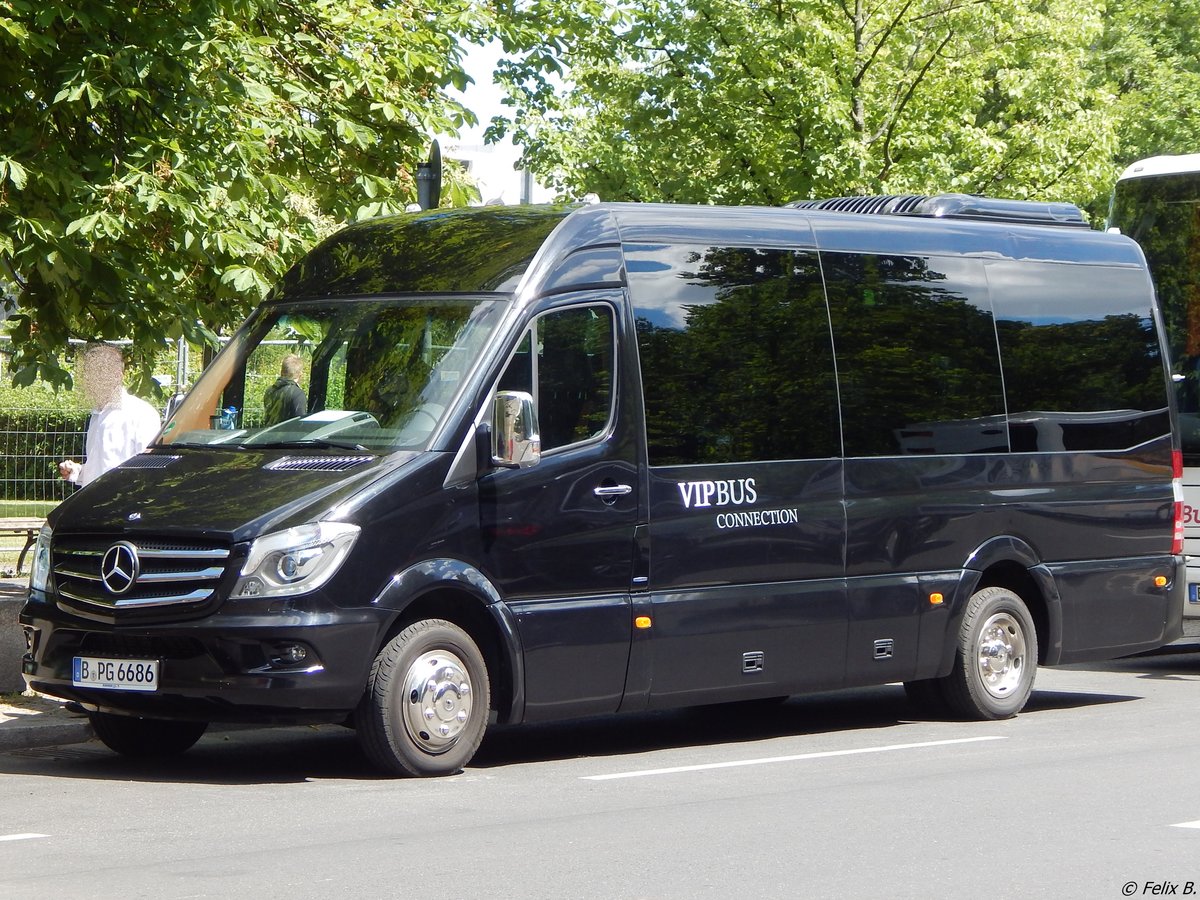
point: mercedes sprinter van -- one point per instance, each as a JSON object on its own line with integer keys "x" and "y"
{"x": 567, "y": 461}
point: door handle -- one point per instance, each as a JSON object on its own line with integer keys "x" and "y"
{"x": 612, "y": 490}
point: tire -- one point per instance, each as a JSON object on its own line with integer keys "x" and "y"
{"x": 145, "y": 738}
{"x": 426, "y": 705}
{"x": 927, "y": 697}
{"x": 996, "y": 660}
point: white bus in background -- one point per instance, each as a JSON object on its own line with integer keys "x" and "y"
{"x": 1156, "y": 201}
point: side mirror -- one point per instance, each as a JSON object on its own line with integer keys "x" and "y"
{"x": 173, "y": 404}
{"x": 516, "y": 442}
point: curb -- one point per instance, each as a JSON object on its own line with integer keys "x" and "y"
{"x": 34, "y": 720}
{"x": 12, "y": 638}
{"x": 15, "y": 735}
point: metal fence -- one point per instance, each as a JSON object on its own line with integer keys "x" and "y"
{"x": 32, "y": 442}
{"x": 36, "y": 433}
{"x": 38, "y": 429}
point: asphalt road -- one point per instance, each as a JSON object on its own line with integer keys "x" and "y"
{"x": 1093, "y": 792}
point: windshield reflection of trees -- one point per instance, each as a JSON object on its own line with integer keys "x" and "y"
{"x": 376, "y": 372}
{"x": 481, "y": 249}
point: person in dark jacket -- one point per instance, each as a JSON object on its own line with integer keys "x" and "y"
{"x": 285, "y": 399}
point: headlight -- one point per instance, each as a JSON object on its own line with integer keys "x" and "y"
{"x": 295, "y": 561}
{"x": 39, "y": 572}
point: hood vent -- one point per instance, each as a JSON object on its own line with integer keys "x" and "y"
{"x": 317, "y": 463}
{"x": 148, "y": 461}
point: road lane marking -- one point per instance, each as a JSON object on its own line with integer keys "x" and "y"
{"x": 825, "y": 754}
{"x": 1195, "y": 824}
{"x": 21, "y": 837}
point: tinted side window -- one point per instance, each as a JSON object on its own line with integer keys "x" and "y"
{"x": 571, "y": 374}
{"x": 1082, "y": 367}
{"x": 916, "y": 354}
{"x": 735, "y": 354}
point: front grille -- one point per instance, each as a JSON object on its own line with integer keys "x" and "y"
{"x": 119, "y": 577}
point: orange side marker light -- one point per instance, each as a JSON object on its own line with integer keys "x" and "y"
{"x": 936, "y": 599}
{"x": 642, "y": 622}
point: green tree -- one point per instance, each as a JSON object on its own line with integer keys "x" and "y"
{"x": 162, "y": 163}
{"x": 741, "y": 101}
{"x": 1149, "y": 58}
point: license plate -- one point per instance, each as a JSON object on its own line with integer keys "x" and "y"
{"x": 1193, "y": 594}
{"x": 115, "y": 674}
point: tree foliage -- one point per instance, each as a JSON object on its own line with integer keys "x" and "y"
{"x": 745, "y": 101}
{"x": 162, "y": 163}
{"x": 1149, "y": 58}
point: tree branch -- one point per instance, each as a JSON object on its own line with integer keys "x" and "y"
{"x": 899, "y": 107}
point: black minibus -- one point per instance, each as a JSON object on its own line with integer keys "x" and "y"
{"x": 568, "y": 461}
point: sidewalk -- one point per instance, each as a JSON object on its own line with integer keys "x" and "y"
{"x": 36, "y": 721}
{"x": 33, "y": 720}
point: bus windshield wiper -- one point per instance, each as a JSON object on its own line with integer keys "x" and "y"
{"x": 324, "y": 443}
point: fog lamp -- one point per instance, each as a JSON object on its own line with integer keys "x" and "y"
{"x": 289, "y": 654}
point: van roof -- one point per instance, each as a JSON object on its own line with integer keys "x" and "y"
{"x": 538, "y": 250}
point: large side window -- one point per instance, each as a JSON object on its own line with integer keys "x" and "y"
{"x": 565, "y": 361}
{"x": 916, "y": 355}
{"x": 735, "y": 354}
{"x": 1082, "y": 367}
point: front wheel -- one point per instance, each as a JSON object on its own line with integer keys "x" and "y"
{"x": 426, "y": 704}
{"x": 145, "y": 738}
{"x": 996, "y": 659}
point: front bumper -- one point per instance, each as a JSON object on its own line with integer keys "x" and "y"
{"x": 226, "y": 667}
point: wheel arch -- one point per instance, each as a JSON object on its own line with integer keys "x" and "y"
{"x": 1011, "y": 563}
{"x": 458, "y": 592}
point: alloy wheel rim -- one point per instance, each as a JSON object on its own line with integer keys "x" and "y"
{"x": 1000, "y": 655}
{"x": 438, "y": 700}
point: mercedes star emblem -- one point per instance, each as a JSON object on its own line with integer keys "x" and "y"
{"x": 119, "y": 568}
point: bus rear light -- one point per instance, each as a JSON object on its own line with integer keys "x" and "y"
{"x": 1177, "y": 491}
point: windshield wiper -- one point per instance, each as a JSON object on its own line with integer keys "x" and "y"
{"x": 324, "y": 443}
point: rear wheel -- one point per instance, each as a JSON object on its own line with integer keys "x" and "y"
{"x": 997, "y": 657}
{"x": 145, "y": 738}
{"x": 426, "y": 704}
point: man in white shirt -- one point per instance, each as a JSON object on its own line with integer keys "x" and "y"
{"x": 121, "y": 424}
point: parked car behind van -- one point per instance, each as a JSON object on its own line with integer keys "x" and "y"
{"x": 567, "y": 461}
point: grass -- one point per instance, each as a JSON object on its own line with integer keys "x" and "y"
{"x": 26, "y": 509}
{"x": 10, "y": 552}
{"x": 11, "y": 544}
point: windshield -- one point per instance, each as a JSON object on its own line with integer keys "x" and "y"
{"x": 1162, "y": 213}
{"x": 367, "y": 375}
